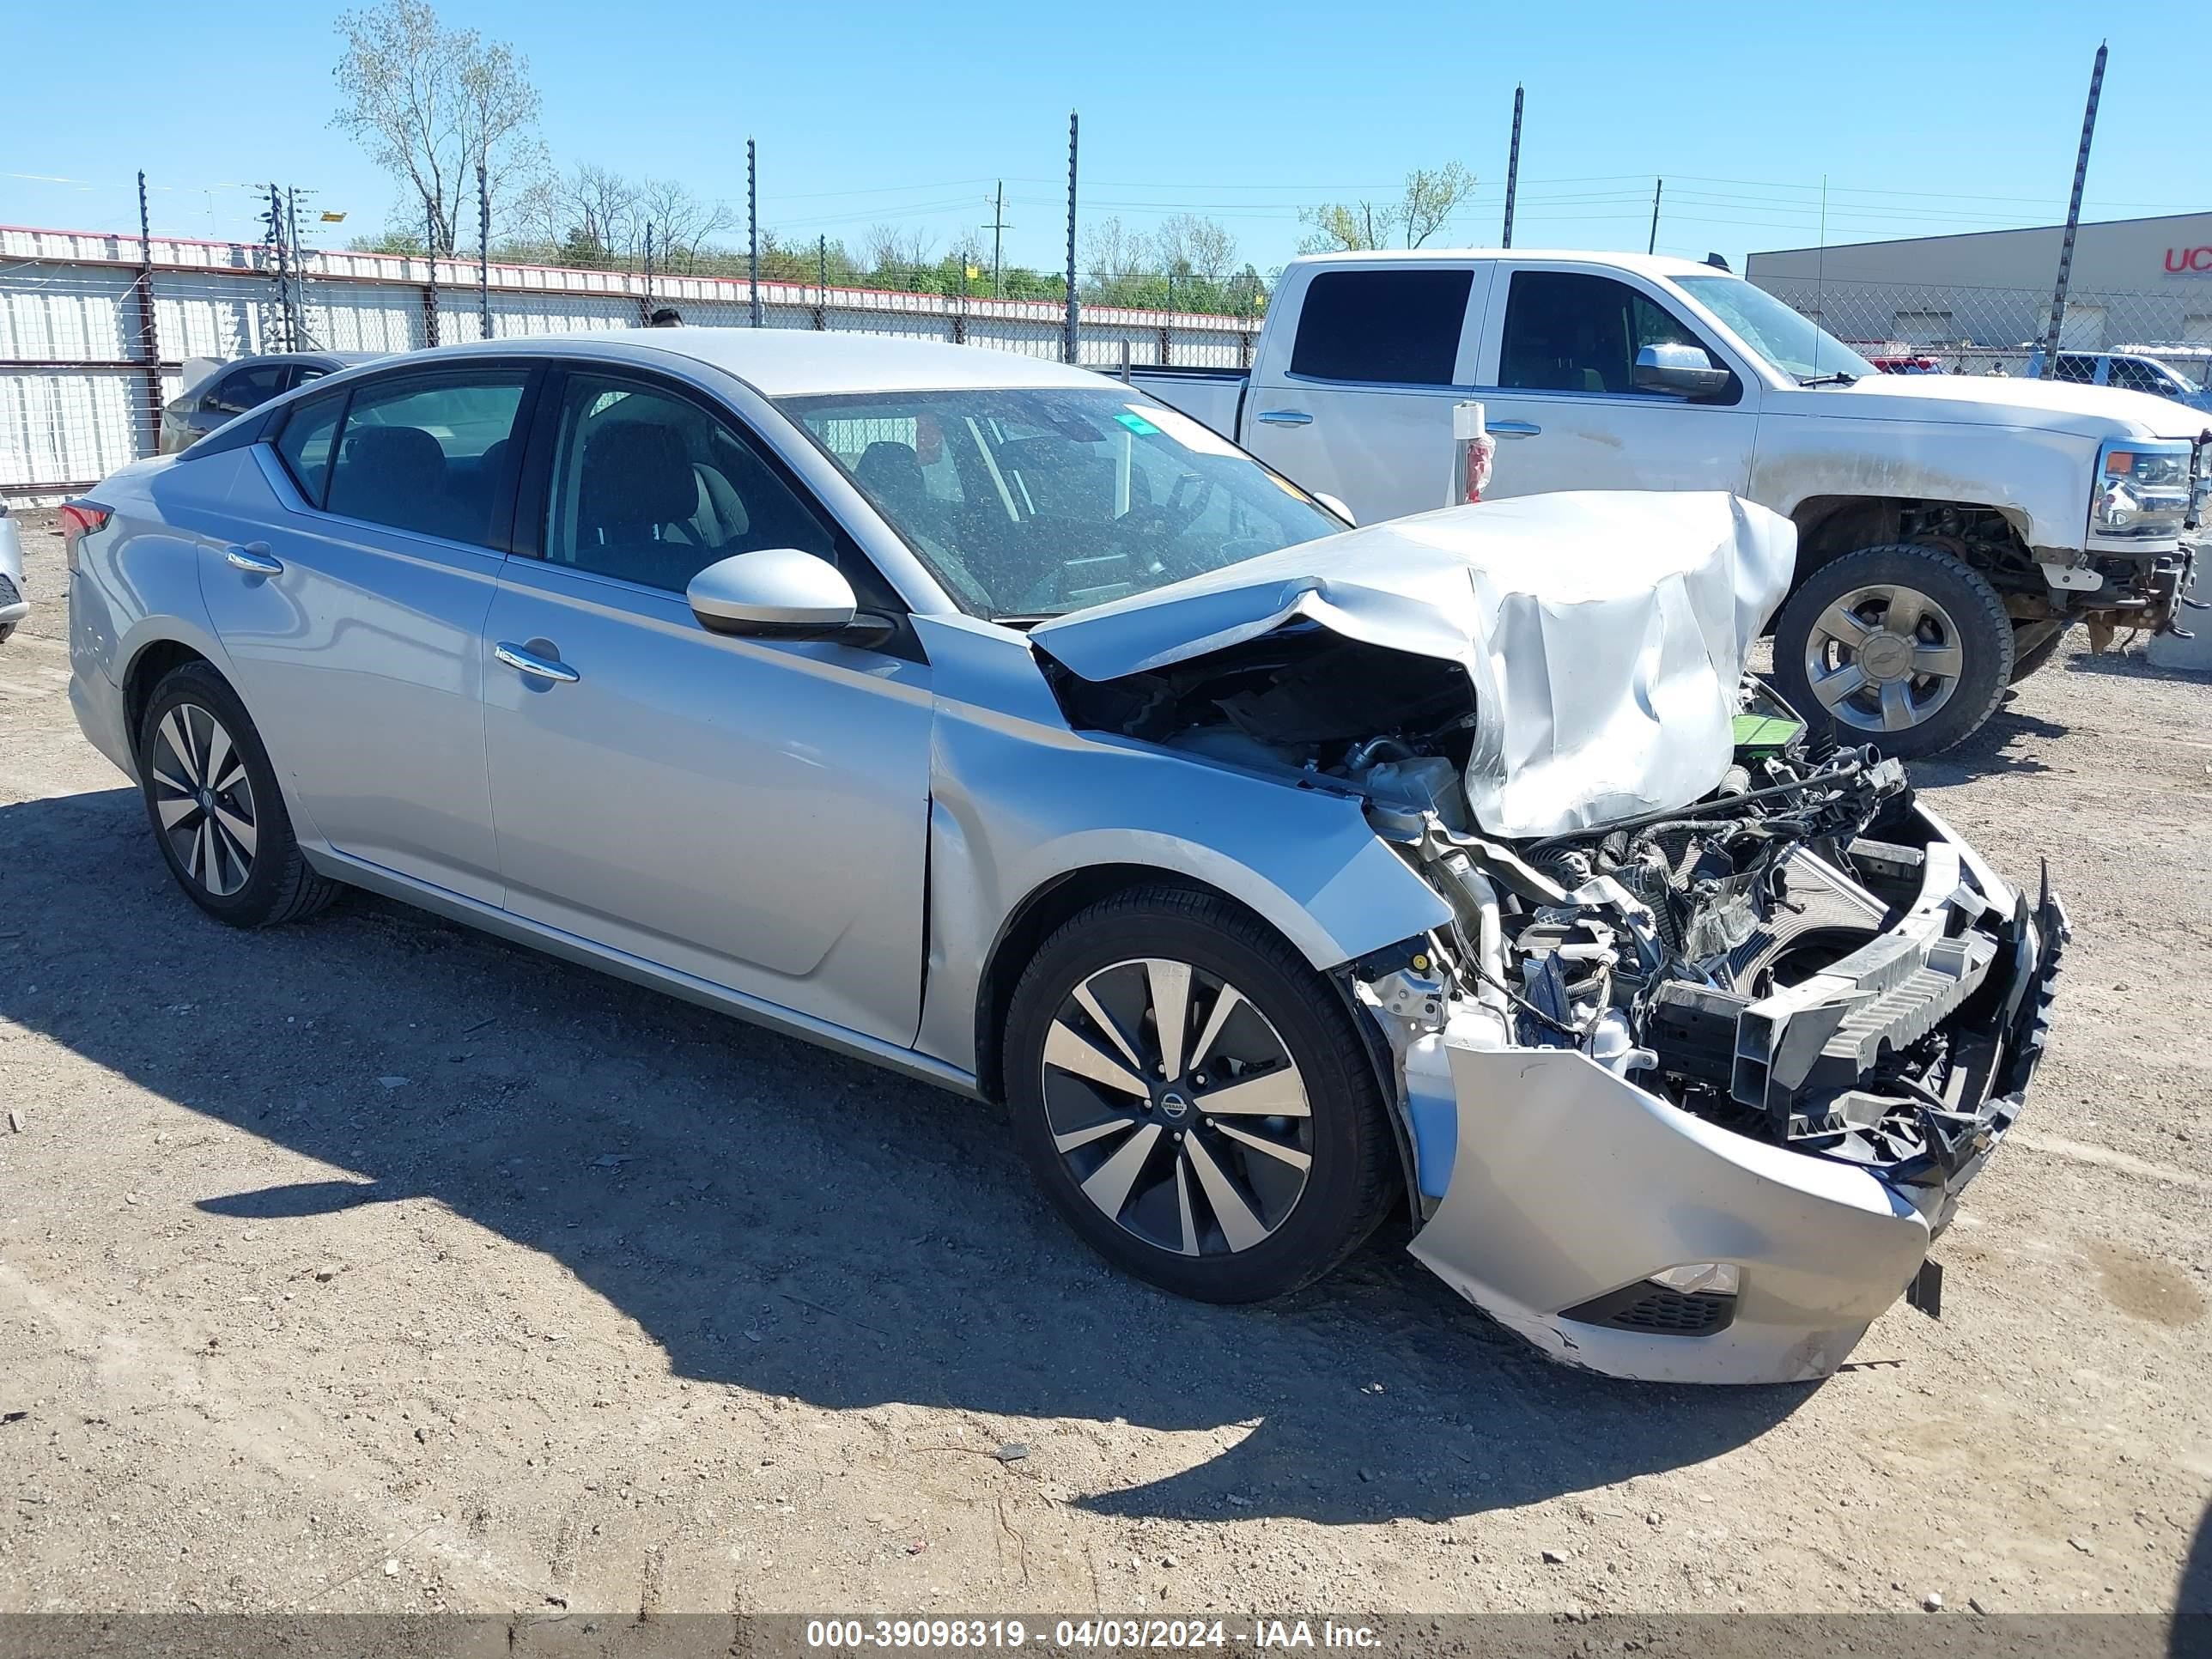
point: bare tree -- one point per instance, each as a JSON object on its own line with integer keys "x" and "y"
{"x": 429, "y": 103}
{"x": 1430, "y": 198}
{"x": 1188, "y": 242}
{"x": 682, "y": 223}
{"x": 604, "y": 212}
{"x": 1112, "y": 253}
{"x": 891, "y": 247}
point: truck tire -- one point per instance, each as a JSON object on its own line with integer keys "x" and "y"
{"x": 1902, "y": 646}
{"x": 2027, "y": 659}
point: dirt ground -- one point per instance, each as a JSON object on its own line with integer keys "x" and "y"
{"x": 369, "y": 1265}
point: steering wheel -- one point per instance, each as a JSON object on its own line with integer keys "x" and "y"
{"x": 1161, "y": 523}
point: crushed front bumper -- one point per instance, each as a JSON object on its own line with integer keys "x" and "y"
{"x": 1581, "y": 1208}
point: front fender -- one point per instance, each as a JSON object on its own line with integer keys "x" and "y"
{"x": 2039, "y": 479}
{"x": 1019, "y": 802}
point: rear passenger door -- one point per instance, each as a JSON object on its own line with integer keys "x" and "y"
{"x": 1361, "y": 410}
{"x": 1559, "y": 365}
{"x": 351, "y": 602}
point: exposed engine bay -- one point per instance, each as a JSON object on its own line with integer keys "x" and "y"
{"x": 1736, "y": 955}
{"x": 1722, "y": 1020}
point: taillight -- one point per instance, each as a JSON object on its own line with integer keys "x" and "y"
{"x": 80, "y": 520}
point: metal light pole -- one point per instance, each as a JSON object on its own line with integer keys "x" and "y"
{"x": 1069, "y": 335}
{"x": 1658, "y": 184}
{"x": 752, "y": 230}
{"x": 2073, "y": 220}
{"x": 1512, "y": 171}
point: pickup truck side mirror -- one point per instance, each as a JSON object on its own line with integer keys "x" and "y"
{"x": 1685, "y": 371}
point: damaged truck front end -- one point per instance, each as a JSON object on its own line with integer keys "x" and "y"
{"x": 1723, "y": 1021}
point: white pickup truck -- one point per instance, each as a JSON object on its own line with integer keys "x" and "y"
{"x": 1950, "y": 529}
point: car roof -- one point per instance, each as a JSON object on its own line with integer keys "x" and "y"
{"x": 783, "y": 361}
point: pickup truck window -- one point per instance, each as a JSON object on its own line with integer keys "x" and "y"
{"x": 1386, "y": 327}
{"x": 1567, "y": 331}
{"x": 1793, "y": 344}
{"x": 1031, "y": 503}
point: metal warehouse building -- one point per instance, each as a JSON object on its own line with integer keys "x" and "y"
{"x": 2134, "y": 281}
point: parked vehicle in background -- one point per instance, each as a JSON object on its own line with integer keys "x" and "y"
{"x": 15, "y": 603}
{"x": 1918, "y": 364}
{"x": 2129, "y": 371}
{"x": 234, "y": 387}
{"x": 1950, "y": 527}
{"x": 988, "y": 720}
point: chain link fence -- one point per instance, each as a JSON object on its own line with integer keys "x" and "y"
{"x": 1920, "y": 328}
{"x": 99, "y": 331}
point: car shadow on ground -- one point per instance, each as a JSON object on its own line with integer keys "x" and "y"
{"x": 778, "y": 1217}
{"x": 2007, "y": 742}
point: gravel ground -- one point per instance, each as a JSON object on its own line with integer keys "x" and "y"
{"x": 369, "y": 1265}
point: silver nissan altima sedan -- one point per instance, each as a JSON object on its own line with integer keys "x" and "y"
{"x": 985, "y": 719}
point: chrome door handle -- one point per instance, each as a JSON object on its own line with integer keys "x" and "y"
{"x": 1513, "y": 428}
{"x": 1284, "y": 417}
{"x": 537, "y": 667}
{"x": 254, "y": 561}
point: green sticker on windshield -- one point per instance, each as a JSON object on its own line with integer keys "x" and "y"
{"x": 1137, "y": 423}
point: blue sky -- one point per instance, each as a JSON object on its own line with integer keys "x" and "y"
{"x": 1922, "y": 118}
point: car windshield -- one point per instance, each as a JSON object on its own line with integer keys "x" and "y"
{"x": 1790, "y": 341}
{"x": 1031, "y": 503}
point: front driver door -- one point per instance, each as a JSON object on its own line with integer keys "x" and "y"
{"x": 753, "y": 813}
{"x": 1560, "y": 394}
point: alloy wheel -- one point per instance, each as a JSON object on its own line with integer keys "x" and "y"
{"x": 204, "y": 798}
{"x": 1176, "y": 1107}
{"x": 1884, "y": 657}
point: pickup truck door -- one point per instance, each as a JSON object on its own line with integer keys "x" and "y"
{"x": 1557, "y": 361}
{"x": 1357, "y": 403}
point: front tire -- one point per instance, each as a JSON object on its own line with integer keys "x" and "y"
{"x": 217, "y": 815}
{"x": 1195, "y": 1099}
{"x": 1902, "y": 646}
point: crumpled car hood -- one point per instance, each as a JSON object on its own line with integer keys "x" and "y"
{"x": 1604, "y": 634}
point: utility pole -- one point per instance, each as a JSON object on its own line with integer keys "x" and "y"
{"x": 1658, "y": 184}
{"x": 483, "y": 249}
{"x": 998, "y": 241}
{"x": 822, "y": 281}
{"x": 1512, "y": 170}
{"x": 648, "y": 269}
{"x": 2073, "y": 220}
{"x": 752, "y": 230}
{"x": 1068, "y": 339}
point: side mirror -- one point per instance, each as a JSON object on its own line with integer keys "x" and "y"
{"x": 1336, "y": 506}
{"x": 1683, "y": 370}
{"x": 212, "y": 405}
{"x": 777, "y": 593}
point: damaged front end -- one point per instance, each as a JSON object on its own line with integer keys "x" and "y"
{"x": 1691, "y": 1093}
{"x": 1723, "y": 1020}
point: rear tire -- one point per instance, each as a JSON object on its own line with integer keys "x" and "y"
{"x": 1195, "y": 1183}
{"x": 1900, "y": 646}
{"x": 217, "y": 815}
